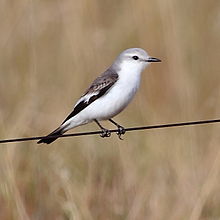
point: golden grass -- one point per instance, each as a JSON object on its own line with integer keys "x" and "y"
{"x": 51, "y": 51}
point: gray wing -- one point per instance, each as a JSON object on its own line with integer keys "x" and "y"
{"x": 98, "y": 88}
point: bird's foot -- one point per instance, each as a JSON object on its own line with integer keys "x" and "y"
{"x": 120, "y": 132}
{"x": 105, "y": 133}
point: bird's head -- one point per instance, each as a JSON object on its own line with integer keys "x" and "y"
{"x": 135, "y": 58}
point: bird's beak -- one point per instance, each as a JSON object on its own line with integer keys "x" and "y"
{"x": 153, "y": 59}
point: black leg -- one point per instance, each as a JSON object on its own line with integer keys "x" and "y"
{"x": 105, "y": 132}
{"x": 120, "y": 131}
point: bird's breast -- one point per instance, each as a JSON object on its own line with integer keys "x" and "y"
{"x": 114, "y": 101}
{"x": 120, "y": 95}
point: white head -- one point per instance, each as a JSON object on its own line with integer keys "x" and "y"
{"x": 134, "y": 58}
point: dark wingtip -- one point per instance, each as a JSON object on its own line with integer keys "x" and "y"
{"x": 47, "y": 140}
{"x": 40, "y": 141}
{"x": 51, "y": 137}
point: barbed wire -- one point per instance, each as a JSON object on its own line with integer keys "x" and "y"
{"x": 179, "y": 124}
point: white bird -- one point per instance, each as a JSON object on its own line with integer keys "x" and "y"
{"x": 108, "y": 95}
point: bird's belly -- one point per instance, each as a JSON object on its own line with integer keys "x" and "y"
{"x": 110, "y": 104}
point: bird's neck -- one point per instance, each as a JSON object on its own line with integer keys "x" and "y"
{"x": 130, "y": 77}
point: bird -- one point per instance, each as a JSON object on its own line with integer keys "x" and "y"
{"x": 108, "y": 95}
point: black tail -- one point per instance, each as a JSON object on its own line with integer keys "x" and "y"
{"x": 50, "y": 137}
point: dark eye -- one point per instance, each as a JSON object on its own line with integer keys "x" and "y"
{"x": 135, "y": 57}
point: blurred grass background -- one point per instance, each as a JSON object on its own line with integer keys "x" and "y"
{"x": 51, "y": 51}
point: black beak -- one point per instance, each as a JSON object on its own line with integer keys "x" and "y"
{"x": 153, "y": 59}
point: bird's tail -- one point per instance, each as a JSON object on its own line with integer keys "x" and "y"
{"x": 50, "y": 137}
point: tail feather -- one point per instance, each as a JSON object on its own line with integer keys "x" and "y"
{"x": 50, "y": 137}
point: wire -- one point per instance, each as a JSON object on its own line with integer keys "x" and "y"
{"x": 181, "y": 124}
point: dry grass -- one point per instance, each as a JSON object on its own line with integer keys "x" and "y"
{"x": 51, "y": 51}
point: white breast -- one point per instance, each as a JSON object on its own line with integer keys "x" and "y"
{"x": 116, "y": 99}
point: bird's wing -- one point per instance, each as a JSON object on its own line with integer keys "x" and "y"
{"x": 98, "y": 88}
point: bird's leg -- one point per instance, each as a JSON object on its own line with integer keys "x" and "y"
{"x": 105, "y": 132}
{"x": 120, "y": 131}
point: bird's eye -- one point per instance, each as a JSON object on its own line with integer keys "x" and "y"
{"x": 135, "y": 57}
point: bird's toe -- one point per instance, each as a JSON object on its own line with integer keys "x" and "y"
{"x": 120, "y": 132}
{"x": 105, "y": 133}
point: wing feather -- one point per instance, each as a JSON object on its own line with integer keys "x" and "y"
{"x": 98, "y": 88}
